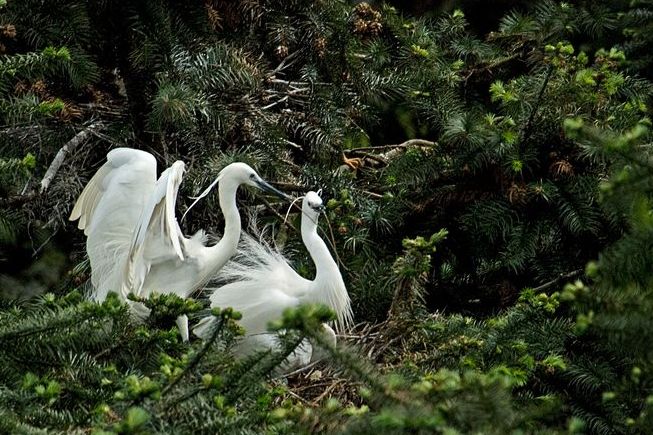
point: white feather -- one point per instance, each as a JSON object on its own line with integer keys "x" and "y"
{"x": 157, "y": 237}
{"x": 261, "y": 284}
{"x": 134, "y": 242}
{"x": 108, "y": 210}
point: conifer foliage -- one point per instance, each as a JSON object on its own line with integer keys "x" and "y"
{"x": 488, "y": 200}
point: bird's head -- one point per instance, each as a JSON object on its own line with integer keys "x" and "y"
{"x": 234, "y": 175}
{"x": 241, "y": 173}
{"x": 312, "y": 205}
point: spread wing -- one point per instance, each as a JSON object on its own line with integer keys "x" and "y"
{"x": 109, "y": 209}
{"x": 157, "y": 237}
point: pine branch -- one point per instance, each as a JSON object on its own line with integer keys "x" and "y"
{"x": 526, "y": 132}
{"x": 490, "y": 65}
{"x": 197, "y": 357}
{"x": 16, "y": 200}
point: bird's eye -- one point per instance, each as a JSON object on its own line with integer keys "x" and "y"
{"x": 252, "y": 176}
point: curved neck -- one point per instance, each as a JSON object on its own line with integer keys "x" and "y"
{"x": 232, "y": 225}
{"x": 220, "y": 253}
{"x": 327, "y": 287}
{"x": 325, "y": 266}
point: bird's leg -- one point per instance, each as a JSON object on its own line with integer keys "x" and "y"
{"x": 182, "y": 324}
{"x": 330, "y": 336}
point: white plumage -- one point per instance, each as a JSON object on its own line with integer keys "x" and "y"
{"x": 134, "y": 242}
{"x": 262, "y": 285}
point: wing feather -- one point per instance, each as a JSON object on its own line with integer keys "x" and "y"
{"x": 89, "y": 198}
{"x": 108, "y": 210}
{"x": 157, "y": 237}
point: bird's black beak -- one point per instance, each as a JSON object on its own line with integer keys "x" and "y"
{"x": 320, "y": 208}
{"x": 267, "y": 188}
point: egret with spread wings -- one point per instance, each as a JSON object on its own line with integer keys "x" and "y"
{"x": 134, "y": 242}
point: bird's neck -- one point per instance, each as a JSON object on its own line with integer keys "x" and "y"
{"x": 232, "y": 225}
{"x": 328, "y": 287}
{"x": 325, "y": 266}
{"x": 220, "y": 253}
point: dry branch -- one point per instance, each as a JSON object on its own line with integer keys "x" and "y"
{"x": 407, "y": 144}
{"x": 68, "y": 147}
{"x": 57, "y": 162}
{"x": 563, "y": 277}
{"x": 393, "y": 151}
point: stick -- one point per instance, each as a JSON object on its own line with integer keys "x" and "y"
{"x": 301, "y": 369}
{"x": 298, "y": 397}
{"x": 368, "y": 155}
{"x": 408, "y": 143}
{"x": 283, "y": 65}
{"x": 69, "y": 147}
{"x": 569, "y": 275}
{"x": 277, "y": 214}
{"x": 332, "y": 242}
{"x": 271, "y": 105}
{"x": 328, "y": 390}
{"x": 289, "y": 186}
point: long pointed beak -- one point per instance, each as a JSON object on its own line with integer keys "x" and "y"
{"x": 268, "y": 188}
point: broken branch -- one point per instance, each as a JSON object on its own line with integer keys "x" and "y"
{"x": 68, "y": 147}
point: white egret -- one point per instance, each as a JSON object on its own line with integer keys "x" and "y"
{"x": 261, "y": 285}
{"x": 134, "y": 242}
